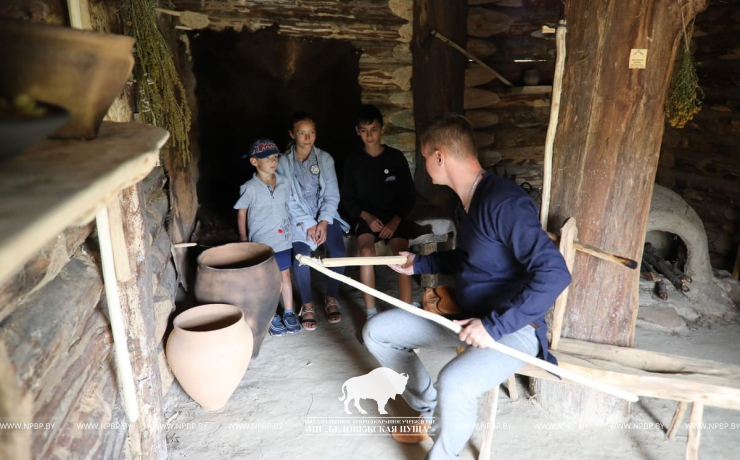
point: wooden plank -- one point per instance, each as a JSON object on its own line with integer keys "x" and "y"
{"x": 490, "y": 423}
{"x": 15, "y": 407}
{"x": 568, "y": 234}
{"x": 695, "y": 421}
{"x": 61, "y": 183}
{"x": 677, "y": 419}
{"x": 531, "y": 90}
{"x": 651, "y": 374}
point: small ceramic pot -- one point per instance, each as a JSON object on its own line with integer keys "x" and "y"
{"x": 209, "y": 351}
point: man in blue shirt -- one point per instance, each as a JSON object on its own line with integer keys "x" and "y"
{"x": 507, "y": 275}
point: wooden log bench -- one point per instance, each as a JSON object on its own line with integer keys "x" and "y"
{"x": 645, "y": 373}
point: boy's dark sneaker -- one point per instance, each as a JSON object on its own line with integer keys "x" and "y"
{"x": 290, "y": 320}
{"x": 277, "y": 328}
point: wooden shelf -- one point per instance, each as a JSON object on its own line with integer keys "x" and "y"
{"x": 62, "y": 183}
{"x": 530, "y": 90}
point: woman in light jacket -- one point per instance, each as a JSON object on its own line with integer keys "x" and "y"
{"x": 313, "y": 212}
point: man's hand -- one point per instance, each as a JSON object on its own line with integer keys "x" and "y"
{"x": 408, "y": 267}
{"x": 473, "y": 333}
{"x": 390, "y": 228}
{"x": 373, "y": 222}
{"x": 320, "y": 236}
{"x": 243, "y": 239}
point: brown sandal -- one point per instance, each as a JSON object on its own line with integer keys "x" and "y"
{"x": 308, "y": 324}
{"x": 334, "y": 316}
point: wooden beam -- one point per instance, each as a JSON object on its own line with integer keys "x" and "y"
{"x": 650, "y": 374}
{"x": 553, "y": 124}
{"x": 568, "y": 234}
{"x": 473, "y": 58}
{"x": 695, "y": 421}
{"x": 490, "y": 423}
{"x": 677, "y": 419}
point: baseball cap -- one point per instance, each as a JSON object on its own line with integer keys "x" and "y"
{"x": 263, "y": 148}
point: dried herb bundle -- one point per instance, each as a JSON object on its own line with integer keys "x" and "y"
{"x": 161, "y": 93}
{"x": 685, "y": 96}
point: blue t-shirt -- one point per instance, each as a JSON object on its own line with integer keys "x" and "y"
{"x": 507, "y": 270}
{"x": 268, "y": 221}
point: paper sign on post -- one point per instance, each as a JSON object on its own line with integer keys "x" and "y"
{"x": 638, "y": 58}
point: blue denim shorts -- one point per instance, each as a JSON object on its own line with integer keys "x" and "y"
{"x": 284, "y": 259}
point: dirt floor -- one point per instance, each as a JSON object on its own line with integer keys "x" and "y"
{"x": 299, "y": 377}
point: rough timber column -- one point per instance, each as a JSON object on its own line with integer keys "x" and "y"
{"x": 605, "y": 159}
{"x": 438, "y": 77}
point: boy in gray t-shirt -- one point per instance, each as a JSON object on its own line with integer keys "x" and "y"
{"x": 263, "y": 210}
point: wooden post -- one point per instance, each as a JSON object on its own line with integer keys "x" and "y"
{"x": 147, "y": 436}
{"x": 568, "y": 234}
{"x": 490, "y": 420}
{"x": 435, "y": 91}
{"x": 677, "y": 418}
{"x": 604, "y": 164}
{"x": 557, "y": 88}
{"x": 695, "y": 421}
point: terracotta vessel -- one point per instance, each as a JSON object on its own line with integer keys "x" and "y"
{"x": 245, "y": 275}
{"x": 78, "y": 70}
{"x": 209, "y": 351}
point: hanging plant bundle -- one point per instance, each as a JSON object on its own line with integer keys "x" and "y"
{"x": 685, "y": 96}
{"x": 161, "y": 93}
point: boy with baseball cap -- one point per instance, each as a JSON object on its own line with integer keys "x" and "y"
{"x": 262, "y": 217}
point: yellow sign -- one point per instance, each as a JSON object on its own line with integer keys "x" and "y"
{"x": 638, "y": 58}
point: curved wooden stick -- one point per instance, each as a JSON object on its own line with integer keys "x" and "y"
{"x": 559, "y": 371}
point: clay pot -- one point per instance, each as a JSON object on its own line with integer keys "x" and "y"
{"x": 80, "y": 71}
{"x": 209, "y": 351}
{"x": 245, "y": 275}
{"x": 531, "y": 77}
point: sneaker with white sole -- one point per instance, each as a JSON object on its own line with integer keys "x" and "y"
{"x": 277, "y": 328}
{"x": 290, "y": 320}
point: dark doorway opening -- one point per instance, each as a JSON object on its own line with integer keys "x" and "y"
{"x": 248, "y": 85}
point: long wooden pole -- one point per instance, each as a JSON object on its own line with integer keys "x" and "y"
{"x": 470, "y": 56}
{"x": 120, "y": 340}
{"x": 549, "y": 367}
{"x": 557, "y": 88}
{"x": 362, "y": 261}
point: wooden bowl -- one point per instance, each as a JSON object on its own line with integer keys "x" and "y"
{"x": 80, "y": 71}
{"x": 18, "y": 134}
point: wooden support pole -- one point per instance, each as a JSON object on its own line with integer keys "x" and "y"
{"x": 363, "y": 261}
{"x": 120, "y": 343}
{"x": 490, "y": 423}
{"x": 120, "y": 254}
{"x": 568, "y": 234}
{"x": 549, "y": 367}
{"x": 677, "y": 419}
{"x": 511, "y": 386}
{"x": 446, "y": 40}
{"x": 695, "y": 421}
{"x": 600, "y": 253}
{"x": 552, "y": 127}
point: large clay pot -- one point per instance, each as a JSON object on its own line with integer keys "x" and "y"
{"x": 245, "y": 275}
{"x": 209, "y": 351}
{"x": 79, "y": 70}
